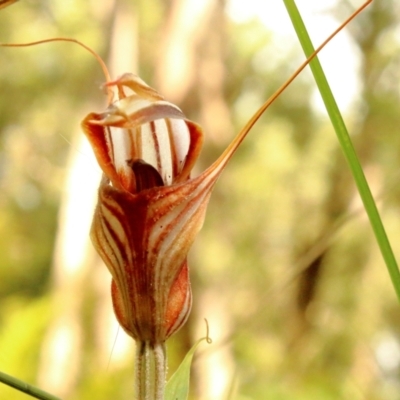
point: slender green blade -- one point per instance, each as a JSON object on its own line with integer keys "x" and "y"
{"x": 26, "y": 388}
{"x": 347, "y": 146}
{"x": 178, "y": 385}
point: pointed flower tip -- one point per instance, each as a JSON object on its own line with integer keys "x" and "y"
{"x": 149, "y": 210}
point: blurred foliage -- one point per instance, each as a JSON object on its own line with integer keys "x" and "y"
{"x": 296, "y": 328}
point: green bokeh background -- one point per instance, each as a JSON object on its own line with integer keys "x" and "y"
{"x": 286, "y": 269}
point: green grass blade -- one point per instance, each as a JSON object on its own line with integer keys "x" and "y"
{"x": 347, "y": 146}
{"x": 178, "y": 386}
{"x": 25, "y": 387}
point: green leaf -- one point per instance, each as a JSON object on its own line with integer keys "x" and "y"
{"x": 347, "y": 146}
{"x": 26, "y": 387}
{"x": 178, "y": 385}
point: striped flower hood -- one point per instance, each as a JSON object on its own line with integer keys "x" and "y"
{"x": 149, "y": 209}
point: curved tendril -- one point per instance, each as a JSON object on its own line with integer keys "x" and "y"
{"x": 61, "y": 39}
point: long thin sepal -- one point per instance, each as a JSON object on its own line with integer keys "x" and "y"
{"x": 311, "y": 54}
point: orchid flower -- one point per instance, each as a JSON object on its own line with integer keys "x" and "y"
{"x": 149, "y": 208}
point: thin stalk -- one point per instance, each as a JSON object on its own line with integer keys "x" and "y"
{"x": 347, "y": 145}
{"x": 26, "y": 388}
{"x": 150, "y": 371}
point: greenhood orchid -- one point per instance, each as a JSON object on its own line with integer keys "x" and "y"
{"x": 149, "y": 208}
{"x": 148, "y": 213}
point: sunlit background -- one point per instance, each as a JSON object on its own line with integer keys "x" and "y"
{"x": 285, "y": 270}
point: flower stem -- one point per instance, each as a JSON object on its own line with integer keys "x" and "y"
{"x": 150, "y": 370}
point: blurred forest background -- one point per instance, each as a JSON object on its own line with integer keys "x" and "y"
{"x": 286, "y": 269}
